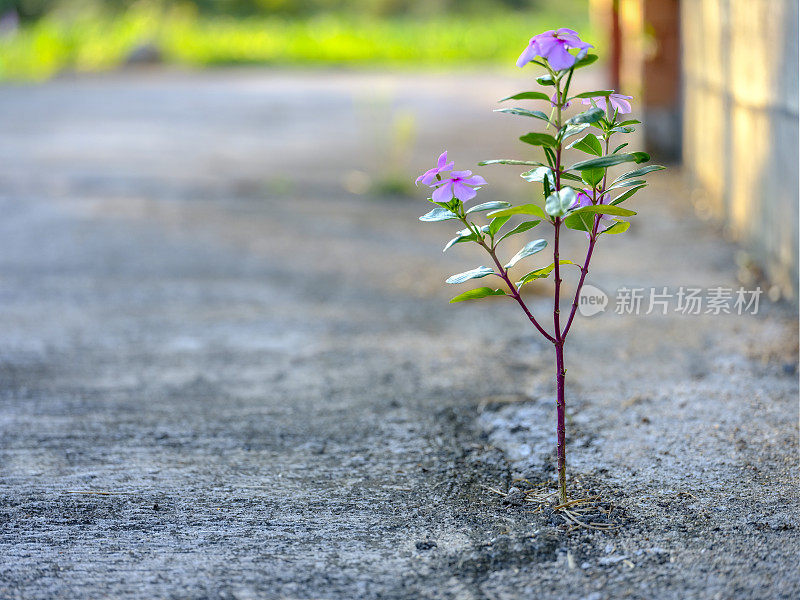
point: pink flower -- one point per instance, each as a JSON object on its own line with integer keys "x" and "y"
{"x": 584, "y": 199}
{"x": 442, "y": 165}
{"x": 618, "y": 102}
{"x": 457, "y": 186}
{"x": 553, "y": 45}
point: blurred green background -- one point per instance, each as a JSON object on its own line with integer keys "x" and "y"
{"x": 41, "y": 38}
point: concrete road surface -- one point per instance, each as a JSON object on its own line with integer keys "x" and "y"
{"x": 228, "y": 368}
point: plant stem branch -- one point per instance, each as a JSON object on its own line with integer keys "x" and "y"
{"x": 561, "y": 448}
{"x": 592, "y": 242}
{"x": 503, "y": 274}
{"x": 516, "y": 295}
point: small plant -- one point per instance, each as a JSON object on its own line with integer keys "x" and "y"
{"x": 581, "y": 196}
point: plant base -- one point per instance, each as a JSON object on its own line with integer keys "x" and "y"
{"x": 591, "y": 512}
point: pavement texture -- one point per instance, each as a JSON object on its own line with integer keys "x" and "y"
{"x": 228, "y": 368}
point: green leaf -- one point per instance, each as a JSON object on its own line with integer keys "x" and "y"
{"x": 639, "y": 172}
{"x": 508, "y": 161}
{"x": 592, "y": 176}
{"x": 527, "y": 96}
{"x": 451, "y": 205}
{"x": 527, "y": 250}
{"x": 580, "y": 221}
{"x": 604, "y": 209}
{"x": 538, "y": 174}
{"x": 629, "y": 122}
{"x": 571, "y": 130}
{"x": 496, "y": 224}
{"x": 622, "y": 197}
{"x": 524, "y": 209}
{"x": 622, "y": 129}
{"x": 625, "y": 183}
{"x": 494, "y": 205}
{"x": 592, "y": 115}
{"x": 465, "y": 235}
{"x": 541, "y": 273}
{"x": 589, "y": 144}
{"x": 551, "y": 156}
{"x": 539, "y": 139}
{"x": 438, "y": 214}
{"x": 545, "y": 80}
{"x": 585, "y": 61}
{"x": 558, "y": 203}
{"x": 536, "y": 114}
{"x": 610, "y": 160}
{"x": 475, "y": 273}
{"x": 619, "y": 227}
{"x": 593, "y": 94}
{"x": 481, "y": 292}
{"x": 620, "y": 147}
{"x": 547, "y": 188}
{"x": 522, "y": 227}
{"x": 570, "y": 176}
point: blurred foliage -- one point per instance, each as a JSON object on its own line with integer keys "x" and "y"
{"x": 33, "y": 9}
{"x": 93, "y": 38}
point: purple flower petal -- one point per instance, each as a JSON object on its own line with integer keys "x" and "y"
{"x": 553, "y": 46}
{"x": 598, "y": 101}
{"x": 570, "y": 36}
{"x": 559, "y": 58}
{"x": 582, "y": 199}
{"x": 443, "y": 193}
{"x": 426, "y": 177}
{"x": 527, "y": 55}
{"x": 621, "y": 103}
{"x": 463, "y": 192}
{"x": 474, "y": 180}
{"x": 460, "y": 174}
{"x": 442, "y": 165}
{"x": 546, "y": 44}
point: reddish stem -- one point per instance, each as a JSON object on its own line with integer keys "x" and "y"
{"x": 561, "y": 409}
{"x": 515, "y": 294}
{"x": 584, "y": 271}
{"x": 592, "y": 242}
{"x": 561, "y": 448}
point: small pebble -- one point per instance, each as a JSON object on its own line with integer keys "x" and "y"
{"x": 425, "y": 544}
{"x": 612, "y": 560}
{"x": 514, "y": 497}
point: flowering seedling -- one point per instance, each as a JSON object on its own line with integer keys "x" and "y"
{"x": 581, "y": 196}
